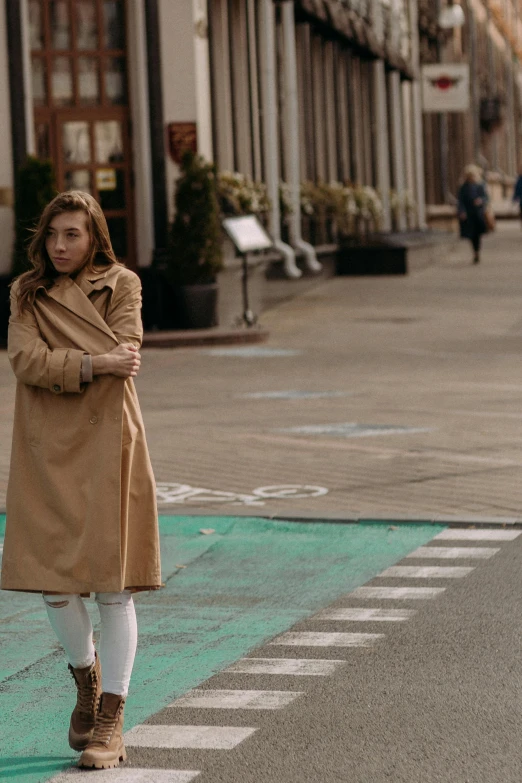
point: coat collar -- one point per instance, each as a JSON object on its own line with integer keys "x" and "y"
{"x": 74, "y": 294}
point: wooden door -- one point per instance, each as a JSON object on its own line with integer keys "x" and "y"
{"x": 81, "y": 106}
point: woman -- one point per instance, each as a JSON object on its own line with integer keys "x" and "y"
{"x": 473, "y": 200}
{"x": 81, "y": 507}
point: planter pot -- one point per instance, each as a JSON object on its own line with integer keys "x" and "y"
{"x": 199, "y": 304}
{"x": 161, "y": 301}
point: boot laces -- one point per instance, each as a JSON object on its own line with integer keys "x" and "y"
{"x": 104, "y": 727}
{"x": 87, "y": 692}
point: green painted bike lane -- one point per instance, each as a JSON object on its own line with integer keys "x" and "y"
{"x": 248, "y": 581}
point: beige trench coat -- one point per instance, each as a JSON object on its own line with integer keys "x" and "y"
{"x": 81, "y": 503}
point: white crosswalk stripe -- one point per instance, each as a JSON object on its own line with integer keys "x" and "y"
{"x": 306, "y": 667}
{"x": 462, "y": 534}
{"x": 427, "y": 572}
{"x": 397, "y": 593}
{"x": 315, "y": 639}
{"x": 454, "y": 552}
{"x": 174, "y": 736}
{"x": 366, "y": 615}
{"x": 127, "y": 775}
{"x": 236, "y": 699}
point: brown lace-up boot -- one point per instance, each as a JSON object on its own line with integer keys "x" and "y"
{"x": 106, "y": 748}
{"x": 88, "y": 683}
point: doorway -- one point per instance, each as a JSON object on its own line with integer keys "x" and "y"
{"x": 81, "y": 105}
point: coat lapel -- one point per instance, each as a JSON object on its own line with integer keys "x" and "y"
{"x": 74, "y": 295}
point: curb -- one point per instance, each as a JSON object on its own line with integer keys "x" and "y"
{"x": 198, "y": 337}
{"x": 331, "y": 518}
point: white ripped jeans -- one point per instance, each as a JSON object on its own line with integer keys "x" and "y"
{"x": 119, "y": 634}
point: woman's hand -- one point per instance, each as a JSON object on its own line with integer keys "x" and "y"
{"x": 123, "y": 361}
{"x": 478, "y": 202}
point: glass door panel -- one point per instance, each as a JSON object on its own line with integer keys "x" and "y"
{"x": 113, "y": 25}
{"x": 111, "y": 188}
{"x": 86, "y": 24}
{"x": 108, "y": 141}
{"x": 36, "y": 30}
{"x": 115, "y": 86}
{"x": 62, "y": 93}
{"x": 60, "y": 25}
{"x": 76, "y": 142}
{"x": 88, "y": 81}
{"x": 39, "y": 81}
{"x": 78, "y": 179}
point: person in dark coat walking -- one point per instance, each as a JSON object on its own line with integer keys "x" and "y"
{"x": 473, "y": 199}
{"x": 517, "y": 194}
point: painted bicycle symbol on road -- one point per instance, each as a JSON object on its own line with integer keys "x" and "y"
{"x": 170, "y": 493}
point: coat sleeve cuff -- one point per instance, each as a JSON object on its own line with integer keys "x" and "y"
{"x": 86, "y": 371}
{"x": 64, "y": 370}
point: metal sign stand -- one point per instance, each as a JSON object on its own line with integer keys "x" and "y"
{"x": 247, "y": 235}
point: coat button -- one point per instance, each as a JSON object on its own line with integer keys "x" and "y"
{"x": 93, "y": 419}
{"x": 57, "y": 388}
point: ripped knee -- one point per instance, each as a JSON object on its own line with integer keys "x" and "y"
{"x": 112, "y": 599}
{"x": 106, "y": 602}
{"x": 56, "y": 604}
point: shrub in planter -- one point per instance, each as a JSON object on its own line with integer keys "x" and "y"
{"x": 35, "y": 186}
{"x": 195, "y": 249}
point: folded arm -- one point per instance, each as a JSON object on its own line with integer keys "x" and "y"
{"x": 33, "y": 362}
{"x": 124, "y": 320}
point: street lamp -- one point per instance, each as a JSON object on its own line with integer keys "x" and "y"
{"x": 451, "y": 16}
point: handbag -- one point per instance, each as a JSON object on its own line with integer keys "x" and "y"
{"x": 489, "y": 219}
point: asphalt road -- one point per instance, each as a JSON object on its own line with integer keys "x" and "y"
{"x": 439, "y": 698}
{"x": 436, "y": 699}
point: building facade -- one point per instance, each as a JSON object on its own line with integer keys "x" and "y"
{"x": 288, "y": 92}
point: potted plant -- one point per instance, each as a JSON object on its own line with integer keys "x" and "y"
{"x": 34, "y": 188}
{"x": 195, "y": 248}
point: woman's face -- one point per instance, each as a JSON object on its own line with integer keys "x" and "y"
{"x": 68, "y": 241}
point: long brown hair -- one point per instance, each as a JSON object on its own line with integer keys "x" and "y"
{"x": 43, "y": 272}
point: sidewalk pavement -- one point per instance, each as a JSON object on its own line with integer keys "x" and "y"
{"x": 391, "y": 397}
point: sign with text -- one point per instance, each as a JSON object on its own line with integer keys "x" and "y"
{"x": 247, "y": 233}
{"x": 445, "y": 88}
{"x": 182, "y": 136}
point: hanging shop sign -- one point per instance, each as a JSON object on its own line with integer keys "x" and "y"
{"x": 445, "y": 88}
{"x": 182, "y": 136}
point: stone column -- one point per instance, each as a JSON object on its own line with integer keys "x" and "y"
{"x": 418, "y": 144}
{"x": 394, "y": 82}
{"x": 270, "y": 131}
{"x": 382, "y": 141}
